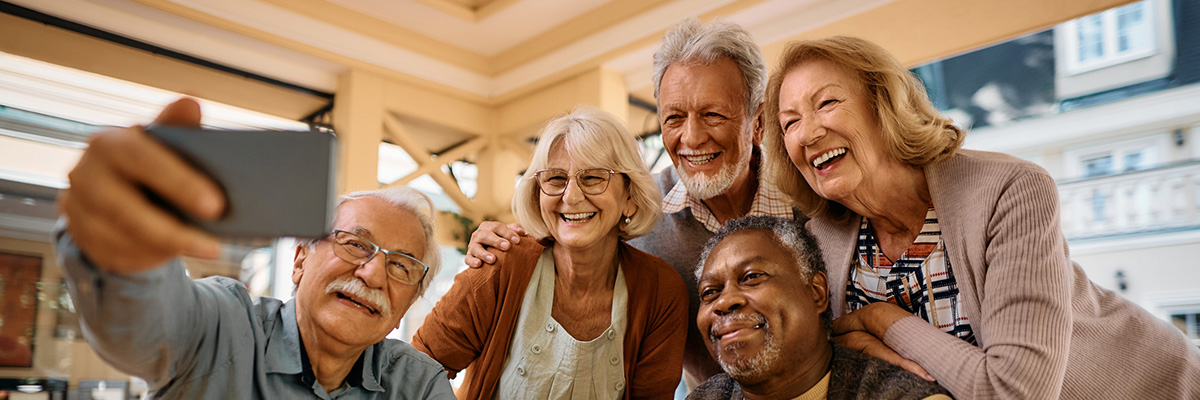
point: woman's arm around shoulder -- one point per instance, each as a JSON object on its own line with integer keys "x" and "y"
{"x": 458, "y": 328}
{"x": 1024, "y": 326}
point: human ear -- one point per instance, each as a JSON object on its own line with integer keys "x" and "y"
{"x": 820, "y": 291}
{"x": 631, "y": 206}
{"x": 758, "y": 126}
{"x": 298, "y": 263}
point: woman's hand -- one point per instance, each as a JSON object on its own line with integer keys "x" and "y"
{"x": 864, "y": 329}
{"x": 489, "y": 240}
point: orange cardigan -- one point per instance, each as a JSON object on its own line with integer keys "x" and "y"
{"x": 473, "y": 324}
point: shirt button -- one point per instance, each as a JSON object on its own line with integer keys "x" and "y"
{"x": 537, "y": 349}
{"x": 550, "y": 327}
{"x": 620, "y": 385}
{"x": 611, "y": 334}
{"x": 521, "y": 371}
{"x": 614, "y": 360}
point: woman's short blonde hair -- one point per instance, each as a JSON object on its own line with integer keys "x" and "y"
{"x": 595, "y": 139}
{"x": 913, "y": 130}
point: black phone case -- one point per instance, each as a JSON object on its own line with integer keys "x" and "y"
{"x": 276, "y": 183}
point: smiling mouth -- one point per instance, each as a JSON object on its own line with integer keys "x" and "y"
{"x": 716, "y": 337}
{"x": 827, "y": 159}
{"x": 578, "y": 217}
{"x": 700, "y": 159}
{"x": 354, "y": 301}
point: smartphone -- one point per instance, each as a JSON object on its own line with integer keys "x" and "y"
{"x": 276, "y": 183}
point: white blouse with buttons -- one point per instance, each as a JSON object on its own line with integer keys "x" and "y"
{"x": 544, "y": 361}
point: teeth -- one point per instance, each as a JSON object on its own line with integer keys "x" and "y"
{"x": 578, "y": 216}
{"x": 356, "y": 303}
{"x": 825, "y": 157}
{"x": 700, "y": 159}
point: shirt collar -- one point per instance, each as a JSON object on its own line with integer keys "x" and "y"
{"x": 285, "y": 354}
{"x": 768, "y": 201}
{"x": 283, "y": 347}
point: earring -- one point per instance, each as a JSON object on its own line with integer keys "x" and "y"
{"x": 628, "y": 220}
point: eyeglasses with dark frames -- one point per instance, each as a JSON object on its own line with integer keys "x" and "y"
{"x": 357, "y": 250}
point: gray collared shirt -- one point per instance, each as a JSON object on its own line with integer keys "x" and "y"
{"x": 205, "y": 339}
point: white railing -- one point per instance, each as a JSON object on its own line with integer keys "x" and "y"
{"x": 1158, "y": 199}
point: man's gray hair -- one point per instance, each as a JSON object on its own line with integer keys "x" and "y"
{"x": 413, "y": 201}
{"x": 790, "y": 234}
{"x": 693, "y": 42}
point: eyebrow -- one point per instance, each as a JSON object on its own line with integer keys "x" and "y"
{"x": 366, "y": 233}
{"x": 815, "y": 93}
{"x": 739, "y": 265}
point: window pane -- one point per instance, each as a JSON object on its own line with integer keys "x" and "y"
{"x": 1098, "y": 166}
{"x": 1189, "y": 323}
{"x": 1133, "y": 161}
{"x": 1132, "y": 28}
{"x": 1091, "y": 38}
{"x": 1180, "y": 321}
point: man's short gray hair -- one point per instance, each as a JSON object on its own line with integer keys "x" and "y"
{"x": 790, "y": 234}
{"x": 413, "y": 201}
{"x": 693, "y": 42}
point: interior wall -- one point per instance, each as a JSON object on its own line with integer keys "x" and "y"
{"x": 54, "y": 357}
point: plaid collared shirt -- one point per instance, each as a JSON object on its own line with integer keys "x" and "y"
{"x": 921, "y": 281}
{"x": 767, "y": 201}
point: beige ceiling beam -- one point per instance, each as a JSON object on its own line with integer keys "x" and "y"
{"x": 492, "y": 7}
{"x": 518, "y": 147}
{"x": 570, "y": 31}
{"x": 39, "y": 41}
{"x": 455, "y": 154}
{"x": 425, "y": 162}
{"x": 387, "y": 32}
{"x": 457, "y": 10}
{"x": 953, "y": 27}
{"x": 439, "y": 108}
{"x": 359, "y": 117}
{"x": 598, "y": 87}
{"x": 349, "y": 62}
{"x": 450, "y": 187}
{"x": 395, "y": 131}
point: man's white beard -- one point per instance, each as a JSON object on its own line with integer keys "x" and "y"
{"x": 704, "y": 187}
{"x": 754, "y": 368}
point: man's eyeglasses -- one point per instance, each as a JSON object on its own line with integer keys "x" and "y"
{"x": 553, "y": 182}
{"x": 357, "y": 250}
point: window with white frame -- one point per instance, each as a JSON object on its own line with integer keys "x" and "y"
{"x": 1188, "y": 321}
{"x": 1115, "y": 157}
{"x": 1110, "y": 37}
{"x": 1179, "y": 308}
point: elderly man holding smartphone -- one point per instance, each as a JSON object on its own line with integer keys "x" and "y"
{"x": 206, "y": 339}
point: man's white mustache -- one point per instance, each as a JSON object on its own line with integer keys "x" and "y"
{"x": 354, "y": 286}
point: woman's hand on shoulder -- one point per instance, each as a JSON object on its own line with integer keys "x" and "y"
{"x": 870, "y": 345}
{"x": 491, "y": 239}
{"x": 863, "y": 330}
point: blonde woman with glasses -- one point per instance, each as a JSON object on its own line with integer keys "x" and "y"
{"x": 578, "y": 313}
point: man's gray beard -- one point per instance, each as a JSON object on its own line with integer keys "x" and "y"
{"x": 704, "y": 188}
{"x": 754, "y": 368}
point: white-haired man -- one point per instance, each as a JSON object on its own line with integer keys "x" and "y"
{"x": 709, "y": 80}
{"x": 206, "y": 339}
{"x": 764, "y": 312}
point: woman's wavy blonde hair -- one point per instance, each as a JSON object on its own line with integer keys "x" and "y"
{"x": 912, "y": 128}
{"x": 596, "y": 139}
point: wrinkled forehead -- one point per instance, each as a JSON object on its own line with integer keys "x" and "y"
{"x": 742, "y": 248}
{"x": 382, "y": 223}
